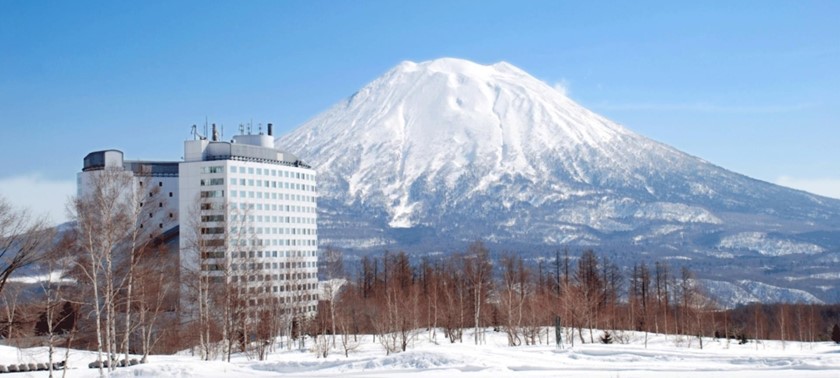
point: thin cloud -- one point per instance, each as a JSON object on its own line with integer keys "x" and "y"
{"x": 705, "y": 107}
{"x": 42, "y": 196}
{"x": 828, "y": 187}
{"x": 562, "y": 86}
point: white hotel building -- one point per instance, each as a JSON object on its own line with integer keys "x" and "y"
{"x": 243, "y": 211}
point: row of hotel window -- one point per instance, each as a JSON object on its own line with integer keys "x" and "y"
{"x": 258, "y": 231}
{"x": 258, "y": 195}
{"x": 276, "y": 218}
{"x": 271, "y": 242}
{"x": 263, "y": 207}
{"x": 260, "y": 276}
{"x": 276, "y": 242}
{"x": 259, "y": 184}
{"x": 263, "y": 218}
{"x": 259, "y": 254}
{"x": 287, "y": 265}
{"x": 277, "y": 289}
{"x": 244, "y": 231}
{"x": 259, "y": 266}
{"x": 259, "y": 171}
{"x": 273, "y": 196}
{"x": 257, "y": 206}
{"x": 288, "y": 290}
{"x": 290, "y": 298}
{"x": 270, "y": 207}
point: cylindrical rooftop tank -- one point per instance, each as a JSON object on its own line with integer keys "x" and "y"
{"x": 101, "y": 159}
{"x": 255, "y": 140}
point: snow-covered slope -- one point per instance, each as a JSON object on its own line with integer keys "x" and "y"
{"x": 448, "y": 151}
{"x": 730, "y": 294}
{"x": 633, "y": 356}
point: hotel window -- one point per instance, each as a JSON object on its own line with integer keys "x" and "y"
{"x": 212, "y": 193}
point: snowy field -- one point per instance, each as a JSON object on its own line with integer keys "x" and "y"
{"x": 665, "y": 356}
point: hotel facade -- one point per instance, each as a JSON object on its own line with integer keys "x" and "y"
{"x": 240, "y": 212}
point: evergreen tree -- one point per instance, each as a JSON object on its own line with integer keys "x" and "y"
{"x": 835, "y": 333}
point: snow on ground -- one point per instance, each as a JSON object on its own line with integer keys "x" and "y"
{"x": 665, "y": 356}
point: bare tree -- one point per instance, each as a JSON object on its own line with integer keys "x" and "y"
{"x": 513, "y": 295}
{"x": 214, "y": 272}
{"x": 332, "y": 266}
{"x": 155, "y": 293}
{"x": 10, "y": 305}
{"x": 662, "y": 278}
{"x": 136, "y": 244}
{"x": 23, "y": 240}
{"x": 589, "y": 285}
{"x": 54, "y": 316}
{"x": 478, "y": 270}
{"x": 103, "y": 222}
{"x": 454, "y": 288}
{"x": 430, "y": 283}
{"x": 346, "y": 320}
{"x": 641, "y": 298}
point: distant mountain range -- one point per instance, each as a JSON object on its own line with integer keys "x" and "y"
{"x": 436, "y": 154}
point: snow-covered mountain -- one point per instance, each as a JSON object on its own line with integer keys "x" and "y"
{"x": 441, "y": 152}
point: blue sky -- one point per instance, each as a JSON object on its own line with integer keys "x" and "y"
{"x": 750, "y": 86}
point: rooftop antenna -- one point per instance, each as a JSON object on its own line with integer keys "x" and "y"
{"x": 196, "y": 135}
{"x": 260, "y": 128}
{"x": 241, "y": 129}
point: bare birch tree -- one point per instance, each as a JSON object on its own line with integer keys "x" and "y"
{"x": 478, "y": 271}
{"x": 23, "y": 240}
{"x": 102, "y": 220}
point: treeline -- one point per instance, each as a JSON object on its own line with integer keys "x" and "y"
{"x": 120, "y": 292}
{"x": 391, "y": 296}
{"x": 784, "y": 321}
